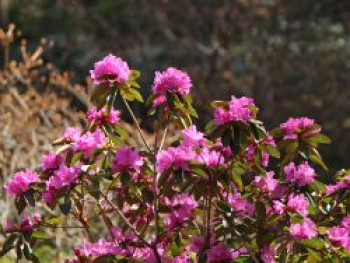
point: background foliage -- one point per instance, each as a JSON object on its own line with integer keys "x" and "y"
{"x": 292, "y": 56}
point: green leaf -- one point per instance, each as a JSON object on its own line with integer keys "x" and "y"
{"x": 55, "y": 220}
{"x": 66, "y": 206}
{"x": 313, "y": 256}
{"x": 125, "y": 179}
{"x": 315, "y": 243}
{"x": 136, "y": 95}
{"x": 20, "y": 203}
{"x": 273, "y": 151}
{"x": 10, "y": 241}
{"x": 237, "y": 173}
{"x": 199, "y": 171}
{"x": 40, "y": 235}
{"x": 316, "y": 139}
{"x": 134, "y": 74}
{"x": 29, "y": 196}
{"x": 315, "y": 157}
{"x": 99, "y": 95}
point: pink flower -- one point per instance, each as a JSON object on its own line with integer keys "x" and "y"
{"x": 182, "y": 207}
{"x": 191, "y": 137}
{"x": 302, "y": 174}
{"x": 184, "y": 258}
{"x": 306, "y": 229}
{"x": 27, "y": 224}
{"x": 102, "y": 116}
{"x": 164, "y": 161}
{"x": 172, "y": 80}
{"x": 127, "y": 158}
{"x": 267, "y": 184}
{"x": 178, "y": 157}
{"x": 89, "y": 142}
{"x": 100, "y": 248}
{"x": 239, "y": 109}
{"x": 240, "y": 205}
{"x": 346, "y": 222}
{"x": 51, "y": 160}
{"x": 210, "y": 158}
{"x": 220, "y": 253}
{"x": 293, "y": 126}
{"x": 345, "y": 183}
{"x": 296, "y": 203}
{"x": 340, "y": 235}
{"x": 267, "y": 254}
{"x": 64, "y": 176}
{"x": 109, "y": 70}
{"x": 21, "y": 182}
{"x": 72, "y": 134}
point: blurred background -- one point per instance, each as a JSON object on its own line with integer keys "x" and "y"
{"x": 293, "y": 57}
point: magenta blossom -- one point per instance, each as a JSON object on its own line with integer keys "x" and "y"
{"x": 303, "y": 174}
{"x": 240, "y": 205}
{"x": 293, "y": 126}
{"x": 172, "y": 80}
{"x": 89, "y": 142}
{"x": 182, "y": 207}
{"x": 340, "y": 235}
{"x": 21, "y": 182}
{"x": 191, "y": 137}
{"x": 239, "y": 109}
{"x": 27, "y": 224}
{"x": 296, "y": 203}
{"x": 103, "y": 116}
{"x": 266, "y": 184}
{"x": 72, "y": 134}
{"x": 178, "y": 157}
{"x": 127, "y": 158}
{"x": 343, "y": 184}
{"x": 306, "y": 229}
{"x": 109, "y": 70}
{"x": 267, "y": 254}
{"x": 51, "y": 160}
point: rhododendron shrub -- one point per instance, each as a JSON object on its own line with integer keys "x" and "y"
{"x": 232, "y": 193}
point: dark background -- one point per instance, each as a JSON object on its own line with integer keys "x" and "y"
{"x": 291, "y": 56}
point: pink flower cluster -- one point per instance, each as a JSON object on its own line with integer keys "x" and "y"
{"x": 21, "y": 182}
{"x": 171, "y": 80}
{"x": 100, "y": 248}
{"x": 239, "y": 109}
{"x": 51, "y": 160}
{"x": 306, "y": 229}
{"x": 27, "y": 224}
{"x": 64, "y": 177}
{"x": 343, "y": 184}
{"x": 72, "y": 134}
{"x": 340, "y": 235}
{"x": 296, "y": 204}
{"x": 293, "y": 126}
{"x": 103, "y": 116}
{"x": 109, "y": 70}
{"x": 127, "y": 159}
{"x": 89, "y": 142}
{"x": 267, "y": 254}
{"x": 302, "y": 174}
{"x": 217, "y": 252}
{"x": 192, "y": 148}
{"x": 266, "y": 184}
{"x": 240, "y": 205}
{"x": 182, "y": 207}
